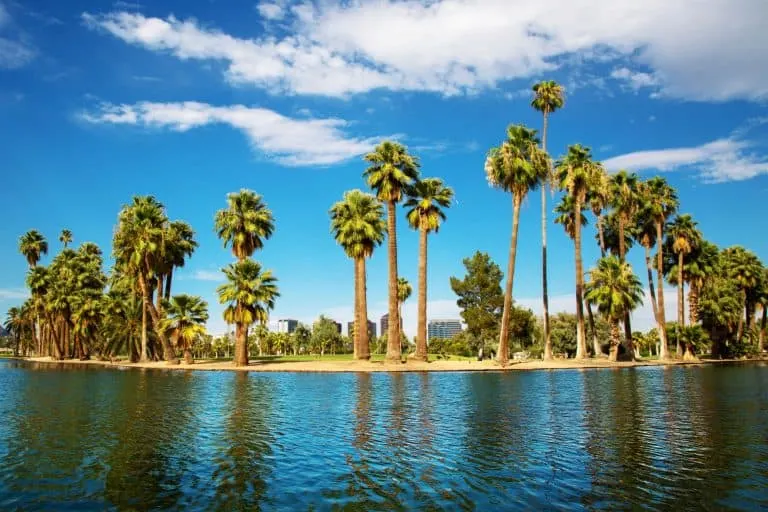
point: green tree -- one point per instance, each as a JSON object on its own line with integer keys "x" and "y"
{"x": 358, "y": 226}
{"x": 404, "y": 291}
{"x": 14, "y": 324}
{"x": 250, "y": 293}
{"x": 517, "y": 166}
{"x": 425, "y": 204}
{"x": 549, "y": 96}
{"x": 325, "y": 335}
{"x": 301, "y": 338}
{"x": 480, "y": 297}
{"x": 186, "y": 319}
{"x": 684, "y": 237}
{"x": 615, "y": 290}
{"x": 391, "y": 173}
{"x": 65, "y": 237}
{"x": 33, "y": 245}
{"x": 576, "y": 174}
{"x": 745, "y": 268}
{"x": 661, "y": 201}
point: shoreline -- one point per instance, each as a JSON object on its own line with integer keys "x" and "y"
{"x": 320, "y": 366}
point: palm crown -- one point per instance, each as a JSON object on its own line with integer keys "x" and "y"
{"x": 392, "y": 170}
{"x": 32, "y": 245}
{"x": 65, "y": 237}
{"x": 684, "y": 235}
{"x": 548, "y": 96}
{"x": 186, "y": 317}
{"x": 357, "y": 223}
{"x": 245, "y": 223}
{"x": 518, "y": 165}
{"x": 614, "y": 288}
{"x": 404, "y": 289}
{"x": 426, "y": 200}
{"x": 566, "y": 216}
{"x": 576, "y": 172}
{"x": 249, "y": 293}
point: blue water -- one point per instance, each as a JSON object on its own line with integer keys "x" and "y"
{"x": 671, "y": 438}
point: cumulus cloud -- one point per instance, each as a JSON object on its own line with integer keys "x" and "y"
{"x": 292, "y": 142}
{"x": 721, "y": 160}
{"x": 453, "y": 46}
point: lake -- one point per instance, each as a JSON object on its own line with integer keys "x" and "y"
{"x": 85, "y": 438}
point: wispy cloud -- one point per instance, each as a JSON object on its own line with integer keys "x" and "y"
{"x": 337, "y": 48}
{"x": 206, "y": 275}
{"x": 289, "y": 141}
{"x": 727, "y": 159}
{"x": 15, "y": 50}
{"x": 13, "y": 293}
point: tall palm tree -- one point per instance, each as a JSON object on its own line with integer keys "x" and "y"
{"x": 249, "y": 294}
{"x": 391, "y": 173}
{"x": 625, "y": 201}
{"x": 645, "y": 235}
{"x": 576, "y": 173}
{"x": 661, "y": 201}
{"x": 684, "y": 238}
{"x": 745, "y": 268}
{"x": 136, "y": 248}
{"x": 357, "y": 224}
{"x": 762, "y": 297}
{"x": 615, "y": 289}
{"x": 426, "y": 202}
{"x": 548, "y": 97}
{"x": 33, "y": 245}
{"x": 180, "y": 243}
{"x": 245, "y": 224}
{"x": 186, "y": 317}
{"x": 699, "y": 265}
{"x": 517, "y": 166}
{"x": 599, "y": 197}
{"x": 65, "y": 237}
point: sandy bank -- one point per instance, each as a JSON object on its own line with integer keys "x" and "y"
{"x": 377, "y": 366}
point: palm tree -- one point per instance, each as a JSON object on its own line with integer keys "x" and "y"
{"x": 762, "y": 298}
{"x": 425, "y": 204}
{"x": 576, "y": 173}
{"x": 33, "y": 245}
{"x": 404, "y": 291}
{"x": 245, "y": 223}
{"x": 661, "y": 201}
{"x": 391, "y": 173}
{"x": 65, "y": 237}
{"x": 645, "y": 235}
{"x": 249, "y": 295}
{"x": 548, "y": 97}
{"x": 180, "y": 243}
{"x": 615, "y": 289}
{"x": 699, "y": 265}
{"x": 136, "y": 247}
{"x": 186, "y": 317}
{"x": 14, "y": 324}
{"x": 357, "y": 224}
{"x": 517, "y": 166}
{"x": 684, "y": 237}
{"x": 745, "y": 268}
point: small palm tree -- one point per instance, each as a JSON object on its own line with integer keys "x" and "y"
{"x": 245, "y": 223}
{"x": 615, "y": 290}
{"x": 65, "y": 237}
{"x": 186, "y": 317}
{"x": 14, "y": 324}
{"x": 576, "y": 174}
{"x": 404, "y": 291}
{"x": 249, "y": 294}
{"x": 684, "y": 238}
{"x": 391, "y": 173}
{"x": 357, "y": 224}
{"x": 745, "y": 268}
{"x": 425, "y": 205}
{"x": 599, "y": 197}
{"x": 661, "y": 201}
{"x": 33, "y": 245}
{"x": 548, "y": 97}
{"x": 517, "y": 166}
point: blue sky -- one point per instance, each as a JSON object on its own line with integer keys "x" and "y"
{"x": 189, "y": 100}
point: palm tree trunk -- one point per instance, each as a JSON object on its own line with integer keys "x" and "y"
{"x": 693, "y": 303}
{"x": 168, "y": 280}
{"x": 581, "y": 345}
{"x": 627, "y": 323}
{"x": 365, "y": 346}
{"x": 159, "y": 292}
{"x": 680, "y": 303}
{"x": 356, "y": 323}
{"x": 421, "y": 330}
{"x": 761, "y": 336}
{"x": 593, "y": 330}
{"x": 393, "y": 334}
{"x": 649, "y": 267}
{"x": 613, "y": 354}
{"x": 503, "y": 355}
{"x": 601, "y": 235}
{"x": 544, "y": 287}
{"x": 169, "y": 354}
{"x": 144, "y": 338}
{"x": 241, "y": 345}
{"x": 740, "y": 329}
{"x": 661, "y": 321}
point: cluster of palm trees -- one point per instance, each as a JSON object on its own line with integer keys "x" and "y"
{"x": 358, "y": 225}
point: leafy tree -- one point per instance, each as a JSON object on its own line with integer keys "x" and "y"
{"x": 745, "y": 268}
{"x": 576, "y": 174}
{"x": 426, "y": 203}
{"x": 325, "y": 335}
{"x": 548, "y": 97}
{"x": 14, "y": 324}
{"x": 391, "y": 173}
{"x": 517, "y": 166}
{"x": 615, "y": 289}
{"x": 358, "y": 227}
{"x": 186, "y": 319}
{"x": 65, "y": 237}
{"x": 301, "y": 338}
{"x": 480, "y": 297}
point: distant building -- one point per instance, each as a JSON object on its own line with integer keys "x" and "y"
{"x": 371, "y": 329}
{"x": 443, "y": 329}
{"x": 287, "y": 325}
{"x": 385, "y": 324}
{"x": 338, "y": 325}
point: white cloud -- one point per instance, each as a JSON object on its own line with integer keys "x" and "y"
{"x": 292, "y": 142}
{"x": 726, "y": 159}
{"x": 14, "y": 52}
{"x": 13, "y": 293}
{"x": 337, "y": 48}
{"x": 205, "y": 275}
